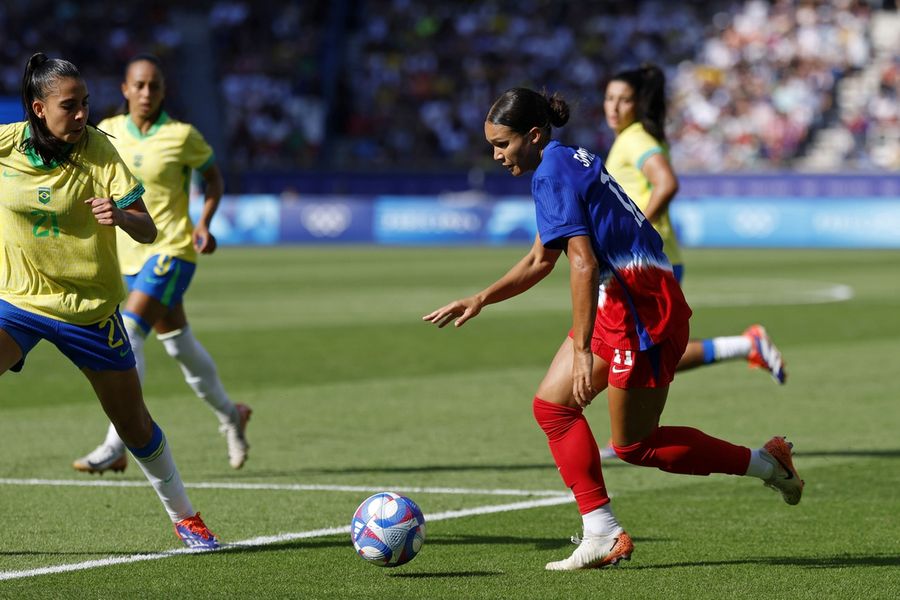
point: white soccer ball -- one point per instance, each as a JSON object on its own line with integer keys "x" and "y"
{"x": 388, "y": 529}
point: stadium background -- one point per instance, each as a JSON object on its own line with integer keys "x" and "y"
{"x": 361, "y": 121}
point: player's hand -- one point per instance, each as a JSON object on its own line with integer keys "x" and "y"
{"x": 461, "y": 310}
{"x": 105, "y": 211}
{"x": 582, "y": 383}
{"x": 204, "y": 241}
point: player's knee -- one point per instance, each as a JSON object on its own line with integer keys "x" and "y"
{"x": 639, "y": 453}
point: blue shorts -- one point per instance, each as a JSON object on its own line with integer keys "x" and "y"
{"x": 164, "y": 278}
{"x": 103, "y": 346}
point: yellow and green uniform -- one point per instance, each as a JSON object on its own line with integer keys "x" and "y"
{"x": 632, "y": 147}
{"x": 162, "y": 159}
{"x": 57, "y": 261}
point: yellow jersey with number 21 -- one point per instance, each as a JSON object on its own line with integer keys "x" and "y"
{"x": 162, "y": 159}
{"x": 57, "y": 261}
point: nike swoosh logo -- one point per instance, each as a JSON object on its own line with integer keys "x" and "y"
{"x": 617, "y": 370}
{"x": 9, "y": 174}
{"x": 124, "y": 353}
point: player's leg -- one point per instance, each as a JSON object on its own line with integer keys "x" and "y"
{"x": 201, "y": 374}
{"x": 140, "y": 312}
{"x": 577, "y": 457}
{"x": 639, "y": 439}
{"x": 120, "y": 395}
{"x": 753, "y": 345}
{"x": 19, "y": 333}
{"x": 10, "y": 353}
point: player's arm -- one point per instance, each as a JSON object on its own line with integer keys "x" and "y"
{"x": 584, "y": 279}
{"x": 663, "y": 182}
{"x": 133, "y": 219}
{"x": 204, "y": 241}
{"x": 533, "y": 267}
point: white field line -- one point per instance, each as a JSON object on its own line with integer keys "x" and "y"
{"x": 275, "y": 539}
{"x": 291, "y": 487}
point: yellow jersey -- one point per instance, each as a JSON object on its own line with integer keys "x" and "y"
{"x": 632, "y": 147}
{"x": 162, "y": 159}
{"x": 57, "y": 261}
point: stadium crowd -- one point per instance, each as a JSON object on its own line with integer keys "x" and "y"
{"x": 402, "y": 83}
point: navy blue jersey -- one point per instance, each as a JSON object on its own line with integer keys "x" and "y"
{"x": 640, "y": 301}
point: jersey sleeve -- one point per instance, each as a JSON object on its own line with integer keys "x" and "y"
{"x": 196, "y": 153}
{"x": 641, "y": 146}
{"x": 8, "y": 138}
{"x": 114, "y": 178}
{"x": 560, "y": 213}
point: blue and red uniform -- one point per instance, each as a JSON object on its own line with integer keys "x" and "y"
{"x": 641, "y": 308}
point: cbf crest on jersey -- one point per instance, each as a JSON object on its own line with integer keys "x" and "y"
{"x": 43, "y": 195}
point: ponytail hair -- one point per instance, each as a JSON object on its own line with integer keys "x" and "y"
{"x": 41, "y": 74}
{"x": 649, "y": 85}
{"x": 520, "y": 109}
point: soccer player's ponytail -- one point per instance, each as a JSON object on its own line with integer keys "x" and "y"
{"x": 649, "y": 85}
{"x": 520, "y": 109}
{"x": 41, "y": 73}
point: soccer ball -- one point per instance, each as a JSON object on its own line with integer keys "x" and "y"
{"x": 388, "y": 529}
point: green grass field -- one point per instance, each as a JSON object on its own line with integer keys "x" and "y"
{"x": 349, "y": 388}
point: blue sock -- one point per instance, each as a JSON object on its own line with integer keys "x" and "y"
{"x": 709, "y": 352}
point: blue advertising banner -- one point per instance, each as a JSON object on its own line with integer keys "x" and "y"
{"x": 746, "y": 222}
{"x": 427, "y": 220}
{"x": 245, "y": 220}
{"x": 326, "y": 220}
{"x": 794, "y": 214}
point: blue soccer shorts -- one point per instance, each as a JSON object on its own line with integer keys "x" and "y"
{"x": 103, "y": 346}
{"x": 164, "y": 278}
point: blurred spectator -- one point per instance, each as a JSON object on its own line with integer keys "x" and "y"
{"x": 402, "y": 84}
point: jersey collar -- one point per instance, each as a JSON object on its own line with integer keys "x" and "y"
{"x": 133, "y": 129}
{"x": 34, "y": 158}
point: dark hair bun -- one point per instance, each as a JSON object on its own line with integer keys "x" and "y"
{"x": 559, "y": 110}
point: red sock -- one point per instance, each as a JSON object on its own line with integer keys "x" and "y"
{"x": 574, "y": 451}
{"x": 688, "y": 451}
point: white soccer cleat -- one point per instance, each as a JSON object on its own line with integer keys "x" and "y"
{"x": 595, "y": 552}
{"x": 102, "y": 458}
{"x": 785, "y": 478}
{"x": 234, "y": 436}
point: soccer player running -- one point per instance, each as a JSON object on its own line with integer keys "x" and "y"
{"x": 629, "y": 341}
{"x": 162, "y": 153}
{"x": 635, "y": 108}
{"x": 65, "y": 193}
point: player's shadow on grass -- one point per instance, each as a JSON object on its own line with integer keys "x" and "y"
{"x": 553, "y": 543}
{"x": 85, "y": 553}
{"x": 534, "y": 543}
{"x": 403, "y": 469}
{"x": 826, "y": 562}
{"x": 433, "y": 575}
{"x": 895, "y": 453}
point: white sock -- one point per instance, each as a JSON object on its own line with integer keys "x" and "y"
{"x": 199, "y": 372}
{"x": 730, "y": 347}
{"x": 601, "y": 522}
{"x": 759, "y": 466}
{"x": 155, "y": 460}
{"x": 136, "y": 337}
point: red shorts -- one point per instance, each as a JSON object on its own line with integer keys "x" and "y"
{"x": 654, "y": 367}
